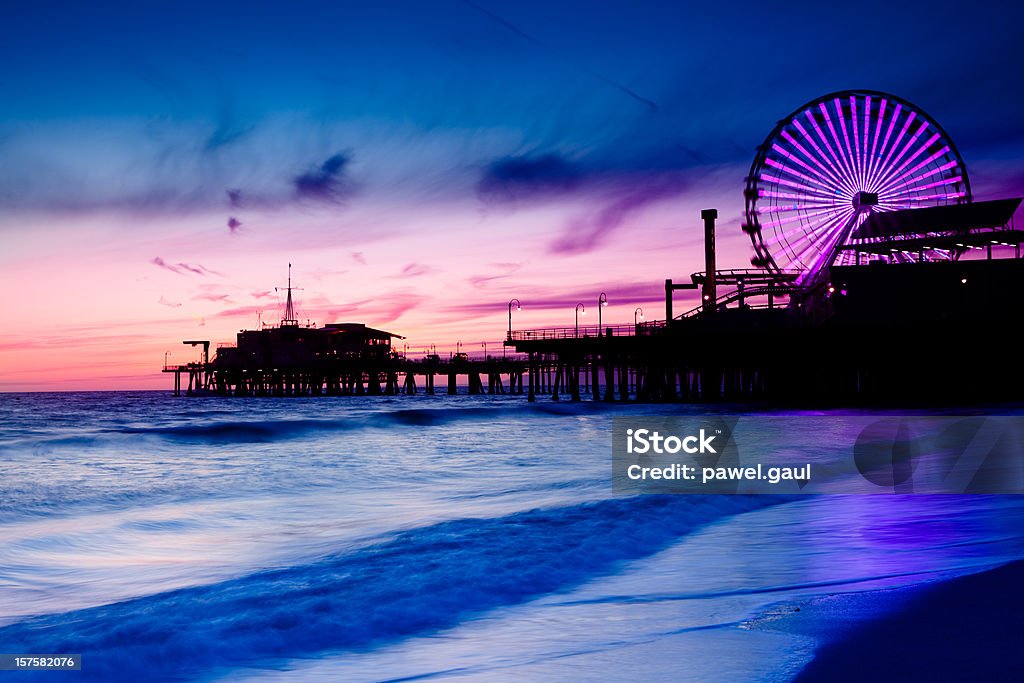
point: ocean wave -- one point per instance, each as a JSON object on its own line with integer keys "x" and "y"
{"x": 216, "y": 426}
{"x": 239, "y": 431}
{"x": 414, "y": 582}
{"x": 263, "y": 431}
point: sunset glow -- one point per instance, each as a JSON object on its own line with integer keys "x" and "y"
{"x": 419, "y": 166}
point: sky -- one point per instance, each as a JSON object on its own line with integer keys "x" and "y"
{"x": 419, "y": 163}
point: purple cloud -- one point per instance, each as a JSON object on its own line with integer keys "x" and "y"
{"x": 586, "y": 234}
{"x": 181, "y": 268}
{"x": 327, "y": 183}
{"x": 514, "y": 178}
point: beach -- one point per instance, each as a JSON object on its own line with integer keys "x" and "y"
{"x": 966, "y": 628}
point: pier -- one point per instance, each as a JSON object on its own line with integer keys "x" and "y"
{"x": 879, "y": 331}
{"x": 872, "y": 281}
{"x": 352, "y": 376}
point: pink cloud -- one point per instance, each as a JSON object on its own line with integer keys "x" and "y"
{"x": 182, "y": 268}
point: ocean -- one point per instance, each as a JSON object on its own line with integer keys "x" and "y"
{"x": 422, "y": 538}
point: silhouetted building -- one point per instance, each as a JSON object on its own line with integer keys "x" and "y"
{"x": 290, "y": 346}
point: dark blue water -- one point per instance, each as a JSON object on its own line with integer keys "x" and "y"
{"x": 417, "y": 537}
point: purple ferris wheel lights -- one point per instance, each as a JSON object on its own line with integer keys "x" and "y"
{"x": 876, "y": 160}
{"x": 846, "y": 139}
{"x": 831, "y": 164}
{"x": 941, "y": 153}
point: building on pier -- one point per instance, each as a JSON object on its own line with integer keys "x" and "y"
{"x": 338, "y": 359}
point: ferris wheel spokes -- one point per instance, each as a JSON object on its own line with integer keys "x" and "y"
{"x": 831, "y": 164}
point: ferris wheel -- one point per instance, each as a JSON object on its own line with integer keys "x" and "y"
{"x": 831, "y": 164}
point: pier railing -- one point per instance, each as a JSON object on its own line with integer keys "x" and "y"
{"x": 775, "y": 291}
{"x": 584, "y": 332}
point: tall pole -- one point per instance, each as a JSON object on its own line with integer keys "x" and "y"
{"x": 602, "y": 301}
{"x": 668, "y": 301}
{"x": 710, "y": 293}
{"x": 519, "y": 307}
{"x": 579, "y": 307}
{"x": 484, "y": 344}
{"x": 639, "y": 311}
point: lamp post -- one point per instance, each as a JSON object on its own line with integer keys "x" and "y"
{"x": 639, "y": 311}
{"x": 602, "y": 301}
{"x": 519, "y": 307}
{"x": 579, "y": 307}
{"x": 484, "y": 344}
{"x": 166, "y": 354}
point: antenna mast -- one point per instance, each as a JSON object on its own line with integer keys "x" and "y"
{"x": 289, "y": 319}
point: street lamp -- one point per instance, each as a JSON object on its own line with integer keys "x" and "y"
{"x": 579, "y": 307}
{"x": 166, "y": 354}
{"x": 639, "y": 311}
{"x": 484, "y": 344}
{"x": 602, "y": 301}
{"x": 519, "y": 307}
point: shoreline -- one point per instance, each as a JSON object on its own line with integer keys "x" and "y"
{"x": 962, "y": 628}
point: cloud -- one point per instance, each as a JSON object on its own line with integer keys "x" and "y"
{"x": 157, "y": 261}
{"x": 240, "y": 312}
{"x": 500, "y": 271}
{"x": 327, "y": 183}
{"x": 181, "y": 268}
{"x": 590, "y": 232}
{"x": 415, "y": 270}
{"x": 213, "y": 296}
{"x": 359, "y": 258}
{"x": 379, "y": 310}
{"x": 511, "y": 179}
{"x": 165, "y": 302}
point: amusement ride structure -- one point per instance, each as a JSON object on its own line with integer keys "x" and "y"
{"x": 819, "y": 177}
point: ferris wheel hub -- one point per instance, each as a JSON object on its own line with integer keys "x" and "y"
{"x": 863, "y": 201}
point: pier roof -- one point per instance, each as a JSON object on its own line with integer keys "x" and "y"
{"x": 362, "y": 329}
